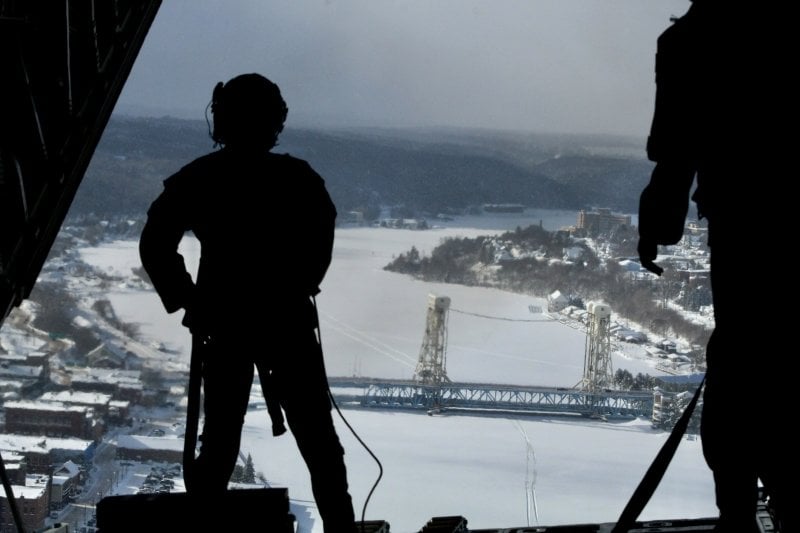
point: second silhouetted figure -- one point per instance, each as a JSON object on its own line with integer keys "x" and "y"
{"x": 723, "y": 96}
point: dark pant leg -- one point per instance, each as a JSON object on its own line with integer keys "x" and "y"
{"x": 302, "y": 387}
{"x": 776, "y": 443}
{"x": 727, "y": 437}
{"x": 746, "y": 401}
{"x": 727, "y": 423}
{"x": 227, "y": 379}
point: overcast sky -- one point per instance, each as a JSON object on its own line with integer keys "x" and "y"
{"x": 583, "y": 66}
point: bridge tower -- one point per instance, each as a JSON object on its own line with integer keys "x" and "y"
{"x": 431, "y": 365}
{"x": 597, "y": 372}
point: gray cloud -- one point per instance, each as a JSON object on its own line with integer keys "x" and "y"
{"x": 540, "y": 65}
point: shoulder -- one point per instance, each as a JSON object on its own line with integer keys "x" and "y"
{"x": 203, "y": 165}
{"x": 290, "y": 162}
{"x": 704, "y": 24}
{"x": 299, "y": 169}
{"x": 304, "y": 179}
{"x": 683, "y": 49}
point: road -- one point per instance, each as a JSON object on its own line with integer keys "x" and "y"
{"x": 103, "y": 475}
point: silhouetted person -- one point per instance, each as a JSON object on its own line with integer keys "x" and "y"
{"x": 265, "y": 223}
{"x": 722, "y": 92}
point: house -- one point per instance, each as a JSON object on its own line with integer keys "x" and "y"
{"x": 631, "y": 336}
{"x": 667, "y": 345}
{"x": 17, "y": 369}
{"x": 557, "y": 301}
{"x": 65, "y": 482}
{"x": 353, "y": 217}
{"x": 119, "y": 411}
{"x": 109, "y": 356}
{"x": 630, "y": 266}
{"x": 503, "y": 254}
{"x": 573, "y": 253}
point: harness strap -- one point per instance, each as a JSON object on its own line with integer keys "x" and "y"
{"x": 652, "y": 477}
{"x": 193, "y": 407}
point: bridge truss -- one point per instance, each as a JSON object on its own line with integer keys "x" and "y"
{"x": 506, "y": 398}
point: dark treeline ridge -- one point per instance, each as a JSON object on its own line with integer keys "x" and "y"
{"x": 428, "y": 171}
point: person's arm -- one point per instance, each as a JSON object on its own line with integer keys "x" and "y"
{"x": 323, "y": 223}
{"x": 663, "y": 206}
{"x": 672, "y": 145}
{"x": 158, "y": 251}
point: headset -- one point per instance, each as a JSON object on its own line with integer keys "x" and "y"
{"x": 216, "y": 96}
{"x": 216, "y": 107}
{"x": 248, "y": 105}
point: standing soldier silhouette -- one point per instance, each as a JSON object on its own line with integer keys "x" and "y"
{"x": 265, "y": 223}
{"x": 722, "y": 93}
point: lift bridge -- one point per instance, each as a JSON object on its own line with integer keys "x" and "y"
{"x": 490, "y": 398}
{"x": 432, "y": 390}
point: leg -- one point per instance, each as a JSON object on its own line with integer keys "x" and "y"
{"x": 778, "y": 465}
{"x": 227, "y": 378}
{"x": 303, "y": 389}
{"x": 727, "y": 447}
{"x": 730, "y": 418}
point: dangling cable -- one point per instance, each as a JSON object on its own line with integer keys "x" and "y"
{"x": 353, "y": 431}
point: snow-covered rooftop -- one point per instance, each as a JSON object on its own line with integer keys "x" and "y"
{"x": 141, "y": 442}
{"x": 26, "y": 443}
{"x": 45, "y": 406}
{"x": 76, "y": 397}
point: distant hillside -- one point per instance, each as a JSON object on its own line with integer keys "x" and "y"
{"x": 428, "y": 171}
{"x": 606, "y": 181}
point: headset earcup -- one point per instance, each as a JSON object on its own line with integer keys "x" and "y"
{"x": 217, "y": 109}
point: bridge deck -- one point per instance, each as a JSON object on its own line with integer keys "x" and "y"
{"x": 389, "y": 394}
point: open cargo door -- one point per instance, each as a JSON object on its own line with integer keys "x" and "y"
{"x": 62, "y": 65}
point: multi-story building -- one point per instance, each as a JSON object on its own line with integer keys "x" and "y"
{"x": 601, "y": 220}
{"x": 51, "y": 420}
{"x": 33, "y": 504}
{"x": 39, "y": 454}
{"x": 99, "y": 402}
{"x": 121, "y": 384}
{"x": 141, "y": 448}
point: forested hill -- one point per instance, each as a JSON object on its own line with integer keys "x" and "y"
{"x": 427, "y": 171}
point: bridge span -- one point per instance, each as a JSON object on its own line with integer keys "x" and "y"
{"x": 489, "y": 397}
